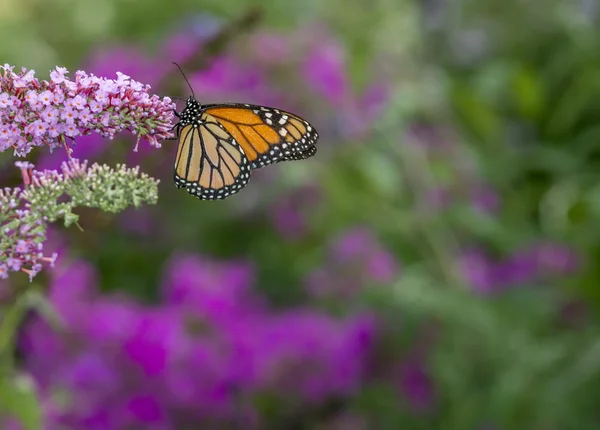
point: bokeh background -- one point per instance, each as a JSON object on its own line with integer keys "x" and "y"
{"x": 434, "y": 266}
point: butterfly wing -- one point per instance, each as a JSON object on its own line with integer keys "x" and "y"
{"x": 311, "y": 151}
{"x": 209, "y": 163}
{"x": 266, "y": 135}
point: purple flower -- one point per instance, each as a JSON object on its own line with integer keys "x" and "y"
{"x": 213, "y": 290}
{"x": 271, "y": 48}
{"x": 22, "y": 239}
{"x": 356, "y": 258}
{"x": 5, "y": 100}
{"x": 70, "y": 285}
{"x": 46, "y": 97}
{"x": 180, "y": 47}
{"x": 123, "y": 365}
{"x": 485, "y": 199}
{"x": 110, "y": 321}
{"x": 154, "y": 336}
{"x": 555, "y": 258}
{"x": 374, "y": 99}
{"x": 531, "y": 264}
{"x": 10, "y": 423}
{"x": 38, "y": 122}
{"x": 44, "y": 349}
{"x": 228, "y": 76}
{"x": 438, "y": 198}
{"x": 325, "y": 71}
{"x": 146, "y": 409}
{"x": 50, "y": 115}
{"x": 58, "y": 75}
{"x": 311, "y": 353}
{"x": 416, "y": 385}
{"x": 92, "y": 372}
{"x": 437, "y": 140}
{"x": 289, "y": 213}
{"x": 476, "y": 268}
{"x": 518, "y": 269}
{"x": 23, "y": 217}
{"x": 14, "y": 264}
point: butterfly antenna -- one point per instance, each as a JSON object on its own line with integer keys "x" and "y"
{"x": 186, "y": 80}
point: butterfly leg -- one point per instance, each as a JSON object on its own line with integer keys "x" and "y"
{"x": 176, "y": 126}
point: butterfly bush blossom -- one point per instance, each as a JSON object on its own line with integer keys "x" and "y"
{"x": 26, "y": 212}
{"x": 47, "y": 113}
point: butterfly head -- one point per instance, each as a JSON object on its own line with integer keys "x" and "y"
{"x": 192, "y": 103}
{"x": 191, "y": 111}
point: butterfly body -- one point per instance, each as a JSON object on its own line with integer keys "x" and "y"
{"x": 220, "y": 144}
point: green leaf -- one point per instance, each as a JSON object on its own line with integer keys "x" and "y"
{"x": 528, "y": 93}
{"x": 10, "y": 319}
{"x": 479, "y": 117}
{"x": 18, "y": 399}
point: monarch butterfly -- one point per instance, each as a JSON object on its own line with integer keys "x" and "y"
{"x": 220, "y": 144}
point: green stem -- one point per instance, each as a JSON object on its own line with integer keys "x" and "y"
{"x": 9, "y": 324}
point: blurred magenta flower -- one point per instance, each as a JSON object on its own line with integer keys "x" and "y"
{"x": 146, "y": 409}
{"x": 312, "y": 355}
{"x": 228, "y": 78}
{"x": 539, "y": 261}
{"x": 289, "y": 213}
{"x": 10, "y": 424}
{"x": 438, "y": 198}
{"x": 416, "y": 385}
{"x": 188, "y": 359}
{"x": 324, "y": 70}
{"x": 556, "y": 258}
{"x": 481, "y": 198}
{"x": 436, "y": 139}
{"x": 484, "y": 198}
{"x": 360, "y": 246}
{"x": 476, "y": 268}
{"x": 212, "y": 291}
{"x": 356, "y": 258}
{"x": 271, "y": 48}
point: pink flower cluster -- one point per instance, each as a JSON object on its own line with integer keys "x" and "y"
{"x": 27, "y": 255}
{"x": 26, "y": 212}
{"x": 21, "y": 247}
{"x": 36, "y": 113}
